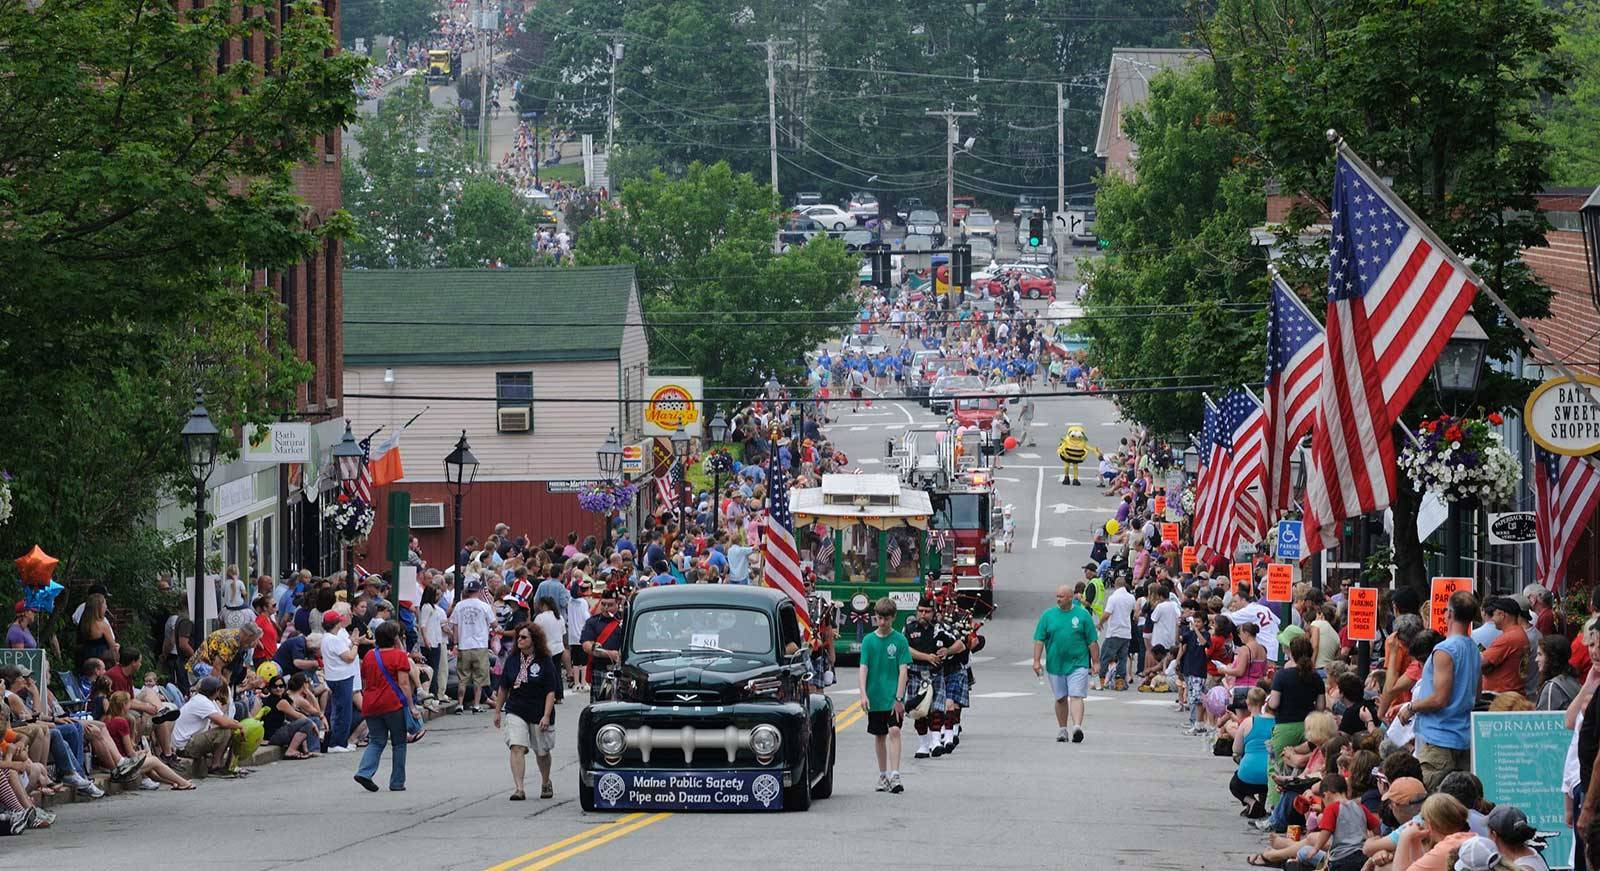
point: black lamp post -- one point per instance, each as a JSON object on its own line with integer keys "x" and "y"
{"x": 460, "y": 468}
{"x": 609, "y": 459}
{"x": 720, "y": 464}
{"x": 1589, "y": 217}
{"x": 200, "y": 445}
{"x": 347, "y": 459}
{"x": 680, "y": 450}
{"x": 1456, "y": 373}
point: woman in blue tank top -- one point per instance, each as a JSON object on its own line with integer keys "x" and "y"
{"x": 1249, "y": 784}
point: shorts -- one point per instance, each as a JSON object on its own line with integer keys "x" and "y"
{"x": 855, "y": 393}
{"x": 956, "y": 688}
{"x": 472, "y": 667}
{"x": 520, "y": 733}
{"x": 879, "y": 722}
{"x": 579, "y": 658}
{"x": 1073, "y": 684}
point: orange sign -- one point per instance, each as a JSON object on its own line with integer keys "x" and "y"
{"x": 1161, "y": 506}
{"x": 1363, "y": 621}
{"x": 1241, "y": 575}
{"x": 1280, "y": 582}
{"x": 1188, "y": 558}
{"x": 1169, "y": 533}
{"x": 1439, "y": 602}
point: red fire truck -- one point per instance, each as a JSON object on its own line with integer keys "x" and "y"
{"x": 966, "y": 515}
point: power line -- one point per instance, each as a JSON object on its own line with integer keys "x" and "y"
{"x": 756, "y": 392}
{"x": 1239, "y": 308}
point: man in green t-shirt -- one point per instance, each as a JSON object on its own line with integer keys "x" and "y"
{"x": 1067, "y": 648}
{"x": 885, "y": 663}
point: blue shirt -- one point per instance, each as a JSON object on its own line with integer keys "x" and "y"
{"x": 624, "y": 543}
{"x": 739, "y": 563}
{"x": 552, "y": 588}
{"x": 1449, "y": 726}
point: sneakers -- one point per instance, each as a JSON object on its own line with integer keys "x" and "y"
{"x": 167, "y": 714}
{"x": 895, "y": 786}
{"x": 1061, "y": 735}
{"x": 83, "y": 785}
{"x": 1077, "y": 734}
{"x": 883, "y": 783}
{"x": 39, "y": 818}
{"x": 1094, "y": 684}
{"x": 345, "y": 749}
{"x": 147, "y": 784}
{"x": 126, "y": 770}
{"x": 16, "y": 822}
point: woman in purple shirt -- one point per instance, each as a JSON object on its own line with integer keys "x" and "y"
{"x": 17, "y": 636}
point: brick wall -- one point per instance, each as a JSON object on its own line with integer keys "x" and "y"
{"x": 1279, "y": 206}
{"x": 1573, "y": 328}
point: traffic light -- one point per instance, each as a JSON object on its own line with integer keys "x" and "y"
{"x": 1035, "y": 231}
{"x": 961, "y": 265}
{"x": 879, "y": 255}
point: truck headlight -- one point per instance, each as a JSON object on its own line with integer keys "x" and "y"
{"x": 611, "y": 740}
{"x": 765, "y": 741}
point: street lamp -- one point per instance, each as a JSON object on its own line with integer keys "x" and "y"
{"x": 721, "y": 463}
{"x": 460, "y": 468}
{"x": 680, "y": 450}
{"x": 1191, "y": 461}
{"x": 1456, "y": 372}
{"x": 609, "y": 458}
{"x": 347, "y": 458}
{"x": 200, "y": 445}
{"x": 1589, "y": 217}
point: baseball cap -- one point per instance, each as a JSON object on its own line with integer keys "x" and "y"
{"x": 22, "y": 606}
{"x": 1091, "y": 567}
{"x": 22, "y": 670}
{"x": 1477, "y": 854}
{"x": 1511, "y": 824}
{"x": 209, "y": 685}
{"x": 474, "y": 585}
{"x": 331, "y": 619}
{"x": 1405, "y": 790}
{"x": 1502, "y": 603}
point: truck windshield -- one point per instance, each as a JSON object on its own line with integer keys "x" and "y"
{"x": 734, "y": 630}
{"x": 958, "y": 511}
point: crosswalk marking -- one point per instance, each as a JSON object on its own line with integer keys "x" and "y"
{"x": 858, "y": 429}
{"x": 869, "y": 461}
{"x": 1028, "y": 456}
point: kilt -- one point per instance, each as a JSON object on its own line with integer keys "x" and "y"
{"x": 957, "y": 688}
{"x": 915, "y": 678}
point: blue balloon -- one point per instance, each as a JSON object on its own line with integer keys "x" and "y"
{"x": 44, "y": 598}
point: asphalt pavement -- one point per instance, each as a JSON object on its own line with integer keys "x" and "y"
{"x": 1137, "y": 793}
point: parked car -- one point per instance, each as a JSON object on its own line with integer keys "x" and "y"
{"x": 925, "y": 222}
{"x": 960, "y": 207}
{"x": 799, "y": 229}
{"x": 858, "y": 237}
{"x": 944, "y": 389}
{"x": 709, "y": 708}
{"x": 982, "y": 251}
{"x": 980, "y": 225}
{"x": 831, "y": 216}
{"x": 807, "y": 198}
{"x": 924, "y": 370}
{"x": 863, "y": 206}
{"x": 904, "y": 208}
{"x": 1044, "y": 270}
{"x": 1027, "y": 205}
{"x": 866, "y": 343}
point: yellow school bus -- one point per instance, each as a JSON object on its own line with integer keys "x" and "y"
{"x": 438, "y": 65}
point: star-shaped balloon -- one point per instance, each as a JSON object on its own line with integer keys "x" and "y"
{"x": 43, "y": 599}
{"x": 36, "y": 567}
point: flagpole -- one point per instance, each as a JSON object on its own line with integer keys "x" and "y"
{"x": 1344, "y": 150}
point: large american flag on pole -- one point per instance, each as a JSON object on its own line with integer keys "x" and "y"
{"x": 780, "y": 557}
{"x": 1209, "y": 449}
{"x": 1395, "y": 293}
{"x": 1565, "y": 492}
{"x": 1294, "y": 371}
{"x": 1236, "y": 509}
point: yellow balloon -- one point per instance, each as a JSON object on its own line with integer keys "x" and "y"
{"x": 268, "y": 670}
{"x": 1112, "y": 526}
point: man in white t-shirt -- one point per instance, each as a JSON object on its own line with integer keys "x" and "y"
{"x": 1116, "y": 633}
{"x": 472, "y": 618}
{"x": 203, "y": 732}
{"x": 1164, "y": 619}
{"x": 1263, "y": 615}
{"x": 577, "y": 615}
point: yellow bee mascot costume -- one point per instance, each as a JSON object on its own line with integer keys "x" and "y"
{"x": 1074, "y": 449}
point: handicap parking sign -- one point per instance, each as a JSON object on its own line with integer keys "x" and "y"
{"x": 1289, "y": 544}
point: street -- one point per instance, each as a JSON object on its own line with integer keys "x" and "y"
{"x": 1136, "y": 793}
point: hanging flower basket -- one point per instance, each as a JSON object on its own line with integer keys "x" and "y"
{"x": 351, "y": 516}
{"x": 1462, "y": 459}
{"x": 5, "y": 496}
{"x": 606, "y": 498}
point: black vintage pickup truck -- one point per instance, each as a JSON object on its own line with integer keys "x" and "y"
{"x": 710, "y": 708}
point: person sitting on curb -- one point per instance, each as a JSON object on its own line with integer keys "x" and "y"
{"x": 204, "y": 733}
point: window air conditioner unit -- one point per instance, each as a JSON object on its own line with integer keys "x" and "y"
{"x": 515, "y": 419}
{"x": 427, "y": 515}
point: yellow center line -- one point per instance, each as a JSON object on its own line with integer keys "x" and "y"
{"x": 846, "y": 717}
{"x": 511, "y": 863}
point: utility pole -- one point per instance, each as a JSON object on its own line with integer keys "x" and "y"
{"x": 950, "y": 131}
{"x": 611, "y": 113}
{"x": 1061, "y": 149}
{"x": 772, "y": 104}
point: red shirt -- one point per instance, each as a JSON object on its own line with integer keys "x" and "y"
{"x": 118, "y": 729}
{"x": 267, "y": 647}
{"x": 120, "y": 683}
{"x": 377, "y": 697}
{"x": 1580, "y": 657}
{"x": 1216, "y": 652}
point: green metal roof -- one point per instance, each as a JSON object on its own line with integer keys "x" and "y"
{"x": 484, "y": 315}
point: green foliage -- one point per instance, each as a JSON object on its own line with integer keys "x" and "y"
{"x": 408, "y": 19}
{"x": 1573, "y": 119}
{"x": 492, "y": 225}
{"x": 1182, "y": 233}
{"x": 703, "y": 245}
{"x": 144, "y": 191}
{"x": 359, "y": 19}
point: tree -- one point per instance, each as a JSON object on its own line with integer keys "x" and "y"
{"x": 1463, "y": 145}
{"x": 492, "y": 225}
{"x": 1178, "y": 305}
{"x": 408, "y": 19}
{"x": 1572, "y": 118}
{"x": 145, "y": 191}
{"x": 712, "y": 288}
{"x": 358, "y": 19}
{"x": 412, "y": 160}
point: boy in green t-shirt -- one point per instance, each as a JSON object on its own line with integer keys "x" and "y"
{"x": 885, "y": 663}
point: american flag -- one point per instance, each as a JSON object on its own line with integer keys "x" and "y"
{"x": 361, "y": 487}
{"x": 1565, "y": 490}
{"x": 1395, "y": 293}
{"x": 668, "y": 486}
{"x": 780, "y": 558}
{"x": 895, "y": 555}
{"x": 1294, "y": 369}
{"x": 1208, "y": 446}
{"x": 1236, "y": 509}
{"x": 823, "y": 555}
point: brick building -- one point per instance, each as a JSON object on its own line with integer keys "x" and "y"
{"x": 1128, "y": 85}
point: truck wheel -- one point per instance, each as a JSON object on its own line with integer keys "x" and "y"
{"x": 824, "y": 787}
{"x": 585, "y": 795}
{"x": 798, "y": 797}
